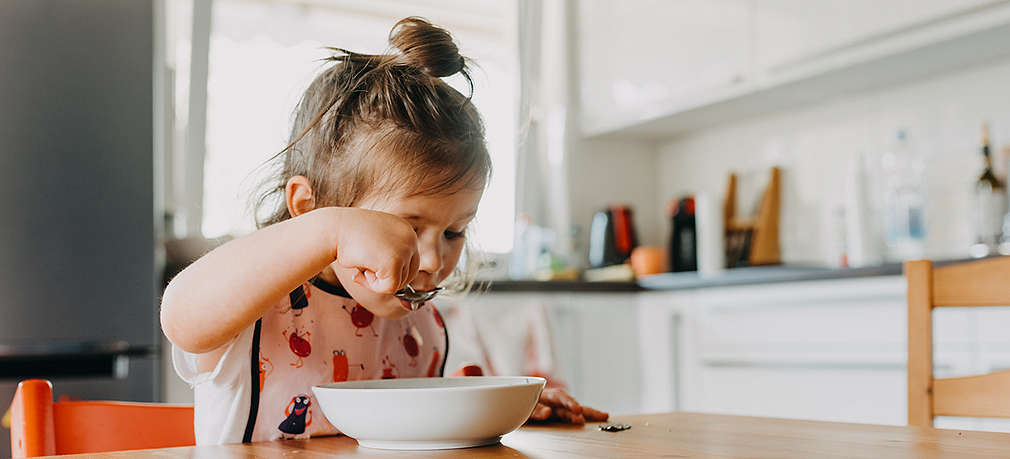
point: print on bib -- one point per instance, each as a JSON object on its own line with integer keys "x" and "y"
{"x": 389, "y": 370}
{"x": 361, "y": 318}
{"x": 299, "y": 299}
{"x": 411, "y": 347}
{"x": 266, "y": 367}
{"x": 342, "y": 367}
{"x": 298, "y": 416}
{"x": 299, "y": 344}
{"x": 433, "y": 366}
{"x": 438, "y": 318}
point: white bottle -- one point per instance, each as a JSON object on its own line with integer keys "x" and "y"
{"x": 904, "y": 201}
{"x": 862, "y": 238}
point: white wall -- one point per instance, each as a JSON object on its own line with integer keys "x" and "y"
{"x": 605, "y": 172}
{"x": 813, "y": 145}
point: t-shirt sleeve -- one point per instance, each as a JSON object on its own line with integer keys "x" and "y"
{"x": 234, "y": 362}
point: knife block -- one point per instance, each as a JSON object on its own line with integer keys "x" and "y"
{"x": 753, "y": 241}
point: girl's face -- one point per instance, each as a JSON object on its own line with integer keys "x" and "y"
{"x": 440, "y": 222}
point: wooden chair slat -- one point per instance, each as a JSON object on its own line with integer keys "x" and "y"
{"x": 977, "y": 283}
{"x": 982, "y": 396}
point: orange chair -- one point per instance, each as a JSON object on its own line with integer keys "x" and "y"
{"x": 41, "y": 427}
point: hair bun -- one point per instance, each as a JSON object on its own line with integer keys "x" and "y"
{"x": 426, "y": 47}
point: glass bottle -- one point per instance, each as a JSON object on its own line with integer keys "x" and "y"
{"x": 990, "y": 204}
{"x": 904, "y": 200}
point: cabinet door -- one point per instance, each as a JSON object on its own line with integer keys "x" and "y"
{"x": 597, "y": 338}
{"x": 866, "y": 395}
{"x": 830, "y": 350}
{"x": 641, "y": 58}
{"x": 789, "y": 32}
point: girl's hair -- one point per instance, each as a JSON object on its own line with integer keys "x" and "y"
{"x": 383, "y": 123}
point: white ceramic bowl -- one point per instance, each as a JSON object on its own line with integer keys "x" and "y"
{"x": 429, "y": 413}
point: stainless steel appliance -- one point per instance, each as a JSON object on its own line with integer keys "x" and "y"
{"x": 78, "y": 276}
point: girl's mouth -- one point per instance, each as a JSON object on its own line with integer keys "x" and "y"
{"x": 407, "y": 305}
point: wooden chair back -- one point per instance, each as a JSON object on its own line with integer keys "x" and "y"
{"x": 976, "y": 283}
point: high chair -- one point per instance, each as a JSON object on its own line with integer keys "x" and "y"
{"x": 41, "y": 427}
{"x": 976, "y": 283}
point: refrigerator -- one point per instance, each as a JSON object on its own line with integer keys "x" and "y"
{"x": 79, "y": 280}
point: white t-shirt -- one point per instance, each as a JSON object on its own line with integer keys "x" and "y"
{"x": 317, "y": 335}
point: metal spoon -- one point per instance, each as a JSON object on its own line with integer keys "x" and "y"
{"x": 414, "y": 297}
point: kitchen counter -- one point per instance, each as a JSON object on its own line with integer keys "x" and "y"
{"x": 499, "y": 286}
{"x": 762, "y": 275}
{"x": 692, "y": 280}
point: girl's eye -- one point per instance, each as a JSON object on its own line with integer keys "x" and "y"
{"x": 450, "y": 235}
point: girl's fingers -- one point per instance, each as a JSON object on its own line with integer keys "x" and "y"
{"x": 385, "y": 280}
{"x": 560, "y": 398}
{"x": 594, "y": 415}
{"x": 541, "y": 412}
{"x": 545, "y": 412}
{"x": 415, "y": 265}
{"x": 566, "y": 415}
{"x": 410, "y": 269}
{"x": 404, "y": 279}
{"x": 378, "y": 284}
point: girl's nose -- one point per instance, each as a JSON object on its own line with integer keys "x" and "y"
{"x": 430, "y": 264}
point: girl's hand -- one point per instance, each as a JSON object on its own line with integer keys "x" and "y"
{"x": 556, "y": 405}
{"x": 381, "y": 247}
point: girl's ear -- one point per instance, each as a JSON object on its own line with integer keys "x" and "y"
{"x": 298, "y": 195}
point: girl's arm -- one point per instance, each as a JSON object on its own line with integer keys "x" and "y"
{"x": 225, "y": 291}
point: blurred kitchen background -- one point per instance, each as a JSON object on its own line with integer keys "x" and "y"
{"x": 781, "y": 157}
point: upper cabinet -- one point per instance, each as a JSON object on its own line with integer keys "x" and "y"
{"x": 791, "y": 32}
{"x": 653, "y": 69}
{"x": 637, "y": 59}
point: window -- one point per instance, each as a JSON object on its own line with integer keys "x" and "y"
{"x": 262, "y": 55}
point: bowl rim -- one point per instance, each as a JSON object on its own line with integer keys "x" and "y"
{"x": 530, "y": 381}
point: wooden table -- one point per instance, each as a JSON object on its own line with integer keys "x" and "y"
{"x": 660, "y": 435}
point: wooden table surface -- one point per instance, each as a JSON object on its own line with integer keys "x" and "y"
{"x": 655, "y": 435}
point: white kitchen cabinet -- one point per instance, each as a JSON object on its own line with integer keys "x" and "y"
{"x": 829, "y": 350}
{"x": 637, "y": 59}
{"x": 598, "y": 349}
{"x": 825, "y": 350}
{"x": 650, "y": 69}
{"x": 790, "y": 32}
{"x": 865, "y": 395}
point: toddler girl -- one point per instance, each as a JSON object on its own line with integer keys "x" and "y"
{"x": 384, "y": 171}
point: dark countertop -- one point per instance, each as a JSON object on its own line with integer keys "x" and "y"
{"x": 762, "y": 275}
{"x": 509, "y": 286}
{"x": 691, "y": 280}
